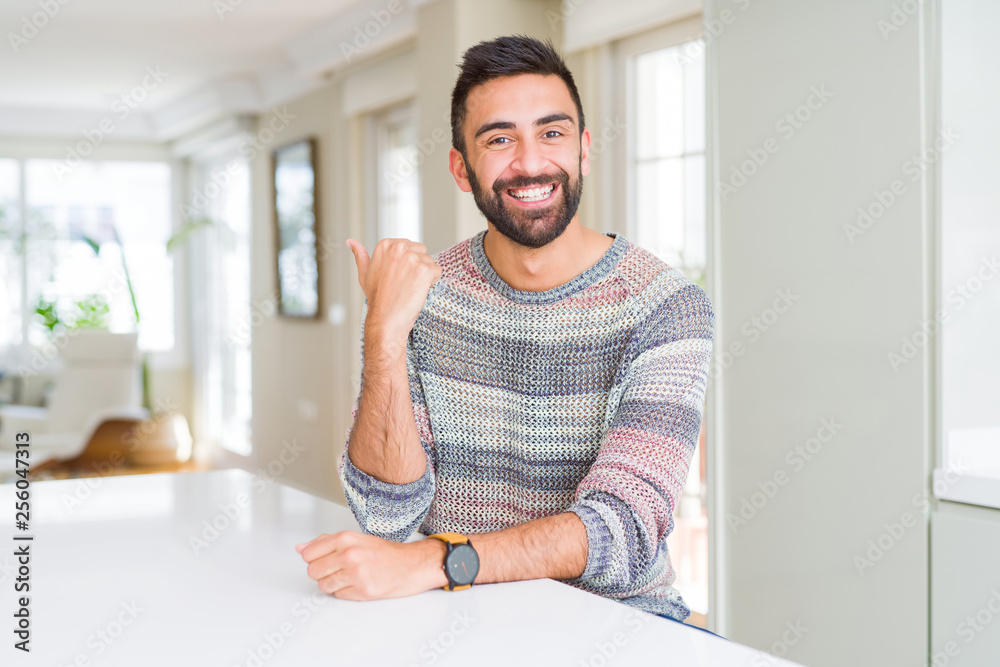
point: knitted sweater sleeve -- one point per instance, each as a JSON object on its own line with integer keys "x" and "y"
{"x": 626, "y": 500}
{"x": 391, "y": 511}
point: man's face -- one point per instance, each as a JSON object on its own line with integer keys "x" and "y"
{"x": 526, "y": 158}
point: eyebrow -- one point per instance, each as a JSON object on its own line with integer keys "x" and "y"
{"x": 552, "y": 118}
{"x": 508, "y": 125}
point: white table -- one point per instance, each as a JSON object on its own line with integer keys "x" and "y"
{"x": 116, "y": 581}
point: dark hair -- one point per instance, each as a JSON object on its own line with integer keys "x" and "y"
{"x": 505, "y": 56}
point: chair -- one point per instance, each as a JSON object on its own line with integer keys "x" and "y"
{"x": 99, "y": 381}
{"x": 126, "y": 446}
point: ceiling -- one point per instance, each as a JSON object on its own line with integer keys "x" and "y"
{"x": 159, "y": 69}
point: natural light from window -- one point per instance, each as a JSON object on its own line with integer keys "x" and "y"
{"x": 11, "y": 266}
{"x": 70, "y": 260}
{"x": 669, "y": 160}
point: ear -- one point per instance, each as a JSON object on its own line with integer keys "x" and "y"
{"x": 585, "y": 152}
{"x": 456, "y": 164}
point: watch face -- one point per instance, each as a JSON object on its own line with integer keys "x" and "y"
{"x": 463, "y": 564}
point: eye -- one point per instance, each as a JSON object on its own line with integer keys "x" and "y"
{"x": 553, "y": 131}
{"x": 493, "y": 141}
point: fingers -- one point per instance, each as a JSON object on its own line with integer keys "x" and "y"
{"x": 438, "y": 269}
{"x": 326, "y": 567}
{"x": 361, "y": 258}
{"x": 350, "y": 593}
{"x": 395, "y": 247}
{"x": 396, "y": 284}
{"x": 319, "y": 547}
{"x": 328, "y": 564}
{"x": 334, "y": 582}
{"x": 399, "y": 247}
{"x": 350, "y": 565}
{"x": 336, "y": 570}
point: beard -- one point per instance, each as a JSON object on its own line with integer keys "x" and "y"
{"x": 529, "y": 227}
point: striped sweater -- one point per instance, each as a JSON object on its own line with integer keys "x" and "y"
{"x": 584, "y": 398}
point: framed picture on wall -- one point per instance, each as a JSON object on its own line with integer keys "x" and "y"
{"x": 295, "y": 219}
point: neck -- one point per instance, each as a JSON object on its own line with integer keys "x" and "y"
{"x": 548, "y": 267}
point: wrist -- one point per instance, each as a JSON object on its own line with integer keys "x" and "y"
{"x": 383, "y": 342}
{"x": 430, "y": 555}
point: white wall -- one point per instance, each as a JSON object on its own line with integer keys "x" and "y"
{"x": 299, "y": 366}
{"x": 793, "y": 564}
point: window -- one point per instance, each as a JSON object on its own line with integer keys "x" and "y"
{"x": 395, "y": 187}
{"x": 663, "y": 102}
{"x": 11, "y": 270}
{"x": 965, "y": 323}
{"x": 668, "y": 163}
{"x": 222, "y": 315}
{"x": 85, "y": 234}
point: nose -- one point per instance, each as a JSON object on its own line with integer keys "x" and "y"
{"x": 528, "y": 159}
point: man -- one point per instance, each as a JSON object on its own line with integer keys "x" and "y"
{"x": 536, "y": 390}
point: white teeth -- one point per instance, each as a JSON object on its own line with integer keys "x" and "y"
{"x": 533, "y": 194}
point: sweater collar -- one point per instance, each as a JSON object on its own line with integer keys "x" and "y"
{"x": 603, "y": 267}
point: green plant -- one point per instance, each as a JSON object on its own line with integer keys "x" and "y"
{"x": 185, "y": 232}
{"x": 46, "y": 311}
{"x": 92, "y": 312}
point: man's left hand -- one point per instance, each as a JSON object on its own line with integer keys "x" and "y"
{"x": 355, "y": 566}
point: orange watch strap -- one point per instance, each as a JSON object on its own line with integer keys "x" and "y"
{"x": 451, "y": 538}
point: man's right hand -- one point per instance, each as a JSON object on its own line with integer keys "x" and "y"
{"x": 395, "y": 280}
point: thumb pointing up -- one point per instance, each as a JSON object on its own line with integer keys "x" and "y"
{"x": 361, "y": 259}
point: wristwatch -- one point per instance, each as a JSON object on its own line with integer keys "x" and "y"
{"x": 461, "y": 562}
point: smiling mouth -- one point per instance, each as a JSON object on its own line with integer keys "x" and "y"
{"x": 533, "y": 195}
